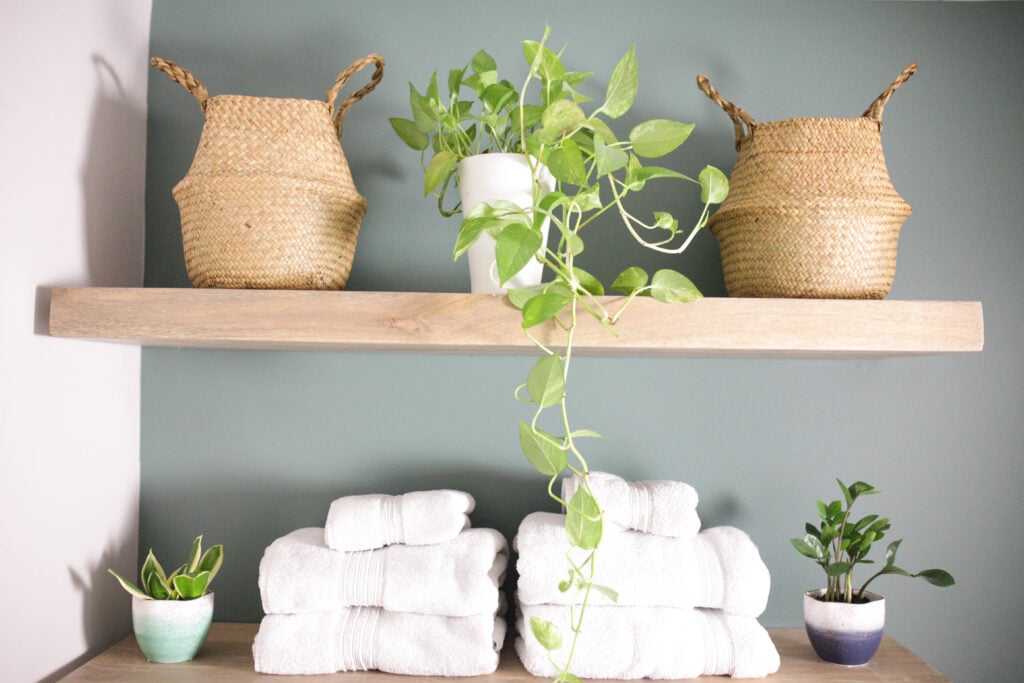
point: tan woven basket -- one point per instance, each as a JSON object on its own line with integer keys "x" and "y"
{"x": 269, "y": 201}
{"x": 811, "y": 211}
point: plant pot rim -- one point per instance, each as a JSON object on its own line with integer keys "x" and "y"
{"x": 869, "y": 597}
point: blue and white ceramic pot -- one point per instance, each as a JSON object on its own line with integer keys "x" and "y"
{"x": 841, "y": 632}
{"x": 170, "y": 631}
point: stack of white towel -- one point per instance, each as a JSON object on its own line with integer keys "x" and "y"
{"x": 396, "y": 583}
{"x": 688, "y": 600}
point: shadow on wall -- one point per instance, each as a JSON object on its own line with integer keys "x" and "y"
{"x": 112, "y": 218}
{"x": 105, "y": 607}
{"x": 114, "y": 160}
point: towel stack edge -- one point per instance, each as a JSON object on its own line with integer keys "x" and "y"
{"x": 421, "y": 596}
{"x": 688, "y": 600}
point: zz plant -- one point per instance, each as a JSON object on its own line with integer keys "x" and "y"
{"x": 188, "y": 582}
{"x": 838, "y": 544}
{"x": 595, "y": 170}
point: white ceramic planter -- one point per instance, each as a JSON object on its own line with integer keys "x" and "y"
{"x": 486, "y": 178}
{"x": 844, "y": 633}
{"x": 170, "y": 631}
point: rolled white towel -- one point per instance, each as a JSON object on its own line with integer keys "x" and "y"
{"x": 651, "y": 642}
{"x": 415, "y": 518}
{"x": 719, "y": 568}
{"x": 298, "y": 573}
{"x": 665, "y": 508}
{"x": 365, "y": 638}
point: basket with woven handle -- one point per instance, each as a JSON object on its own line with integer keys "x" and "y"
{"x": 811, "y": 211}
{"x": 269, "y": 201}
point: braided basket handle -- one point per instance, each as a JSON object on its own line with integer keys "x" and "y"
{"x": 874, "y": 112}
{"x": 342, "y": 79}
{"x": 183, "y": 77}
{"x": 741, "y": 120}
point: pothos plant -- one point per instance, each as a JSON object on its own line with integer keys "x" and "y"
{"x": 838, "y": 544}
{"x": 188, "y": 582}
{"x": 481, "y": 115}
{"x": 595, "y": 171}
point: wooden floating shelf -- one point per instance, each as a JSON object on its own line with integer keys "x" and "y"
{"x": 477, "y": 323}
{"x": 227, "y": 656}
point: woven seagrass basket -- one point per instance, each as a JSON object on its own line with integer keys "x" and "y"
{"x": 269, "y": 201}
{"x": 811, "y": 211}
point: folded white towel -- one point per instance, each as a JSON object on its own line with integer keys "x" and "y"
{"x": 364, "y": 638}
{"x": 416, "y": 518}
{"x": 719, "y": 568}
{"x": 665, "y": 508}
{"x": 298, "y": 573}
{"x": 652, "y": 642}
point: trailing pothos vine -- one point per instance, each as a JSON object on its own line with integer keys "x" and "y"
{"x": 595, "y": 173}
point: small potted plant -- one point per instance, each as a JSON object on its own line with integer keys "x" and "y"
{"x": 845, "y": 625}
{"x": 474, "y": 139}
{"x": 171, "y": 614}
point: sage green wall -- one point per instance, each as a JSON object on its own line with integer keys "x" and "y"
{"x": 246, "y": 446}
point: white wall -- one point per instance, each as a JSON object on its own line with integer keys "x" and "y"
{"x": 72, "y": 168}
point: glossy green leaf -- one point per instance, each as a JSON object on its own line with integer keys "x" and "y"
{"x": 601, "y": 130}
{"x": 547, "y": 205}
{"x": 665, "y": 221}
{"x": 469, "y": 232}
{"x": 129, "y": 586}
{"x": 937, "y": 577}
{"x": 583, "y": 523}
{"x": 808, "y": 547}
{"x": 714, "y": 185}
{"x": 546, "y": 634}
{"x": 410, "y": 133}
{"x": 151, "y": 567}
{"x": 622, "y": 86}
{"x": 630, "y": 280}
{"x": 573, "y": 243}
{"x": 543, "y": 307}
{"x": 497, "y": 96}
{"x": 566, "y": 164}
{"x": 635, "y": 180}
{"x": 212, "y": 560}
{"x": 652, "y": 172}
{"x": 423, "y": 111}
{"x": 668, "y": 286}
{"x": 562, "y": 117}
{"x": 157, "y": 588}
{"x": 519, "y": 297}
{"x": 658, "y": 137}
{"x": 191, "y": 587}
{"x": 432, "y": 92}
{"x": 543, "y": 62}
{"x": 862, "y": 488}
{"x": 455, "y": 77}
{"x": 192, "y": 564}
{"x": 837, "y": 569}
{"x": 517, "y": 245}
{"x": 545, "y": 384}
{"x": 609, "y": 159}
{"x": 482, "y": 62}
{"x": 588, "y": 282}
{"x": 541, "y": 450}
{"x": 440, "y": 167}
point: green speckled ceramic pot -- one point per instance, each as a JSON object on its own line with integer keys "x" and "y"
{"x": 171, "y": 631}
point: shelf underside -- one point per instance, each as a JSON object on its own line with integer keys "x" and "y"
{"x": 476, "y": 323}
